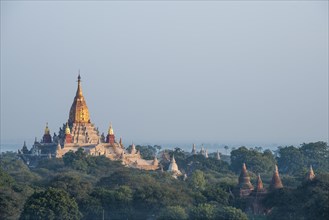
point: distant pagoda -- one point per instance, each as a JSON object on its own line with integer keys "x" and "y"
{"x": 79, "y": 132}
{"x": 245, "y": 186}
{"x": 276, "y": 180}
{"x": 310, "y": 174}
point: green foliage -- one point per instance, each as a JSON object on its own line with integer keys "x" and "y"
{"x": 231, "y": 213}
{"x": 296, "y": 161}
{"x": 99, "y": 165}
{"x": 197, "y": 180}
{"x": 172, "y": 213}
{"x": 5, "y": 179}
{"x": 73, "y": 183}
{"x": 76, "y": 160}
{"x": 309, "y": 201}
{"x": 256, "y": 161}
{"x": 51, "y": 204}
{"x": 290, "y": 160}
{"x": 10, "y": 196}
{"x": 203, "y": 212}
{"x": 199, "y": 162}
{"x": 100, "y": 187}
{"x": 147, "y": 152}
{"x": 10, "y": 203}
{"x": 214, "y": 193}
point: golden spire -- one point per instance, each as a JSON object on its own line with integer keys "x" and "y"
{"x": 79, "y": 111}
{"x": 67, "y": 129}
{"x": 47, "y": 129}
{"x": 111, "y": 132}
{"x": 79, "y": 90}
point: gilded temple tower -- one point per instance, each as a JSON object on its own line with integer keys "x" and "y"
{"x": 79, "y": 111}
{"x": 46, "y": 137}
{"x": 82, "y": 131}
{"x": 110, "y": 138}
{"x": 68, "y": 136}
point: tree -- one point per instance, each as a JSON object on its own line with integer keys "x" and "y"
{"x": 226, "y": 148}
{"x": 294, "y": 160}
{"x": 73, "y": 183}
{"x": 316, "y": 154}
{"x": 76, "y": 160}
{"x": 309, "y": 201}
{"x": 51, "y": 204}
{"x": 217, "y": 194}
{"x": 231, "y": 213}
{"x": 172, "y": 213}
{"x": 203, "y": 212}
{"x": 147, "y": 152}
{"x": 197, "y": 180}
{"x": 256, "y": 162}
{"x": 290, "y": 160}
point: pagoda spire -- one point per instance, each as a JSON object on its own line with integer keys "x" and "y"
{"x": 47, "y": 131}
{"x": 133, "y": 149}
{"x": 276, "y": 180}
{"x": 218, "y": 155}
{"x": 120, "y": 142}
{"x": 259, "y": 183}
{"x": 110, "y": 138}
{"x": 68, "y": 136}
{"x": 110, "y": 131}
{"x": 79, "y": 112}
{"x": 46, "y": 137}
{"x": 173, "y": 159}
{"x": 79, "y": 90}
{"x": 67, "y": 129}
{"x": 310, "y": 174}
{"x": 193, "y": 149}
{"x": 244, "y": 179}
{"x": 173, "y": 167}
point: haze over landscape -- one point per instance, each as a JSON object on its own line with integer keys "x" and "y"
{"x": 168, "y": 72}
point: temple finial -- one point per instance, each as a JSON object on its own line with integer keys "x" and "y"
{"x": 67, "y": 129}
{"x": 244, "y": 166}
{"x": 259, "y": 183}
{"x": 276, "y": 180}
{"x": 111, "y": 132}
{"x": 47, "y": 129}
{"x": 310, "y": 175}
{"x": 79, "y": 90}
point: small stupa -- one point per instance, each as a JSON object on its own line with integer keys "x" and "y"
{"x": 310, "y": 174}
{"x": 276, "y": 180}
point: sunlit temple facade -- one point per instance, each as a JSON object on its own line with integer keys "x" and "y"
{"x": 80, "y": 132}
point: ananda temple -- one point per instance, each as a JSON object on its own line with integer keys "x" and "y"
{"x": 80, "y": 132}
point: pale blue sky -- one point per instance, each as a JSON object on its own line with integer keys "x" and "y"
{"x": 188, "y": 71}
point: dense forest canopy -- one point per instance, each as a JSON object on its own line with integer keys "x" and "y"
{"x": 79, "y": 186}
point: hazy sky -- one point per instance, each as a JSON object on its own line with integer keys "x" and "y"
{"x": 187, "y": 71}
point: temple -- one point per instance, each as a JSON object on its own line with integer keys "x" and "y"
{"x": 80, "y": 132}
{"x": 254, "y": 196}
{"x": 173, "y": 168}
{"x": 276, "y": 180}
{"x": 203, "y": 152}
{"x": 245, "y": 186}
